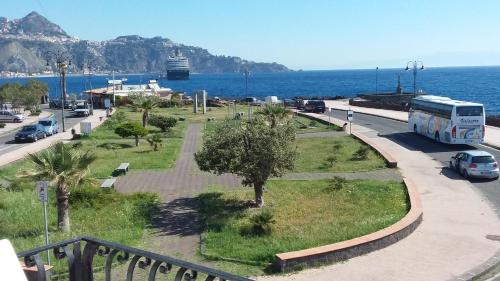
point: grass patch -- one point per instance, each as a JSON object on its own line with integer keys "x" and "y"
{"x": 306, "y": 213}
{"x": 307, "y": 125}
{"x": 335, "y": 155}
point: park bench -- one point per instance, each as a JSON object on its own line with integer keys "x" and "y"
{"x": 108, "y": 183}
{"x": 122, "y": 169}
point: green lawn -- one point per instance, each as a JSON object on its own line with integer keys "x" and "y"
{"x": 307, "y": 214}
{"x": 307, "y": 125}
{"x": 314, "y": 153}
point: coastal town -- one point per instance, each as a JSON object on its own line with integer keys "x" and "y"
{"x": 140, "y": 158}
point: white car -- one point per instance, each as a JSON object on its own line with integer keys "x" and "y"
{"x": 9, "y": 116}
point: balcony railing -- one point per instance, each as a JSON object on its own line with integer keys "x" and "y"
{"x": 80, "y": 259}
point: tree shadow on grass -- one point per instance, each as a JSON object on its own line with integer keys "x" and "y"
{"x": 177, "y": 217}
{"x": 216, "y": 211}
{"x": 114, "y": 144}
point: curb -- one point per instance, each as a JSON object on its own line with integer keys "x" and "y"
{"x": 361, "y": 245}
{"x": 480, "y": 270}
{"x": 497, "y": 147}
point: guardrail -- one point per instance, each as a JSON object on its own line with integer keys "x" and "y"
{"x": 80, "y": 262}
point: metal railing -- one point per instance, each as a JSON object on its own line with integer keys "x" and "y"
{"x": 80, "y": 259}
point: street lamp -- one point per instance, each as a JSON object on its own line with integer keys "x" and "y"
{"x": 246, "y": 73}
{"x": 415, "y": 65}
{"x": 88, "y": 66}
{"x": 62, "y": 60}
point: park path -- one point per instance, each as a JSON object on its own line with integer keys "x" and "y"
{"x": 176, "y": 227}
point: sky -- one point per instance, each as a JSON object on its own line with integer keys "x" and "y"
{"x": 308, "y": 35}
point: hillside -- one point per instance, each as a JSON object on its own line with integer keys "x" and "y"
{"x": 25, "y": 43}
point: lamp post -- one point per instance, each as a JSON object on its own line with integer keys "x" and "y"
{"x": 62, "y": 60}
{"x": 415, "y": 65}
{"x": 246, "y": 73}
{"x": 88, "y": 65}
{"x": 376, "y": 80}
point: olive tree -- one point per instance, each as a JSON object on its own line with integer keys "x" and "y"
{"x": 252, "y": 150}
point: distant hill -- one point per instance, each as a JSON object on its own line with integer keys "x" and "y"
{"x": 25, "y": 42}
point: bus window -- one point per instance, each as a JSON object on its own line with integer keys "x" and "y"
{"x": 469, "y": 111}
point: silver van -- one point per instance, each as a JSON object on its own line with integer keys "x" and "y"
{"x": 50, "y": 126}
{"x": 9, "y": 116}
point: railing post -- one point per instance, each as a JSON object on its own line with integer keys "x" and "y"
{"x": 87, "y": 258}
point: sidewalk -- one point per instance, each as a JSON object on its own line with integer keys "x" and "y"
{"x": 47, "y": 142}
{"x": 9, "y": 127}
{"x": 492, "y": 137}
{"x": 450, "y": 240}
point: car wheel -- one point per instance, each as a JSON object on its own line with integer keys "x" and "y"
{"x": 451, "y": 165}
{"x": 415, "y": 128}
{"x": 35, "y": 139}
{"x": 465, "y": 174}
{"x": 436, "y": 137}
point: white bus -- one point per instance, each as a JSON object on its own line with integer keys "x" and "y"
{"x": 446, "y": 120}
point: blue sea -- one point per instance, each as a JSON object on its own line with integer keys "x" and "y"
{"x": 477, "y": 84}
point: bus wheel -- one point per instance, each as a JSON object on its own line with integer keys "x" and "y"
{"x": 415, "y": 128}
{"x": 436, "y": 137}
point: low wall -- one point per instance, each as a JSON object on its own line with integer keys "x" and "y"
{"x": 358, "y": 246}
{"x": 361, "y": 245}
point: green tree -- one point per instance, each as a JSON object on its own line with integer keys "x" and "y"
{"x": 64, "y": 166}
{"x": 162, "y": 122}
{"x": 12, "y": 92}
{"x": 131, "y": 129}
{"x": 154, "y": 140}
{"x": 144, "y": 104}
{"x": 274, "y": 113}
{"x": 253, "y": 150}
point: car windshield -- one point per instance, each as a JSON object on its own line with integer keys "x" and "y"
{"x": 483, "y": 159}
{"x": 45, "y": 123}
{"x": 470, "y": 111}
{"x": 28, "y": 128}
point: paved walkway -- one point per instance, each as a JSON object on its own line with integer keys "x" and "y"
{"x": 451, "y": 239}
{"x": 492, "y": 135}
{"x": 176, "y": 230}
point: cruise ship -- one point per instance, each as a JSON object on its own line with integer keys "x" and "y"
{"x": 177, "y": 67}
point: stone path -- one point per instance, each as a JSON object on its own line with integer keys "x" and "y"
{"x": 176, "y": 230}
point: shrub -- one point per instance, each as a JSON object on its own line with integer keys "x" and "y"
{"x": 313, "y": 123}
{"x": 116, "y": 120}
{"x": 330, "y": 160}
{"x": 361, "y": 153}
{"x": 262, "y": 223}
{"x": 154, "y": 140}
{"x": 167, "y": 103}
{"x": 162, "y": 122}
{"x": 130, "y": 129}
{"x": 338, "y": 183}
{"x": 2, "y": 125}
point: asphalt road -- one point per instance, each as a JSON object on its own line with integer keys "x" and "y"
{"x": 398, "y": 132}
{"x": 7, "y": 143}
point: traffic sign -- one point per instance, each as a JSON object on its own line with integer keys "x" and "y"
{"x": 42, "y": 191}
{"x": 350, "y": 114}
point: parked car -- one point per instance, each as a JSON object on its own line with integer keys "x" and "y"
{"x": 82, "y": 108}
{"x": 57, "y": 104}
{"x": 9, "y": 116}
{"x": 30, "y": 133}
{"x": 299, "y": 104}
{"x": 475, "y": 163}
{"x": 251, "y": 101}
{"x": 316, "y": 106}
{"x": 49, "y": 125}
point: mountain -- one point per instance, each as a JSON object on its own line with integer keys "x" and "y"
{"x": 26, "y": 44}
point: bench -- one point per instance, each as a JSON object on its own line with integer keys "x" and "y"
{"x": 123, "y": 168}
{"x": 108, "y": 183}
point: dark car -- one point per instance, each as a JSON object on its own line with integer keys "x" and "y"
{"x": 57, "y": 104}
{"x": 31, "y": 133}
{"x": 316, "y": 106}
{"x": 299, "y": 104}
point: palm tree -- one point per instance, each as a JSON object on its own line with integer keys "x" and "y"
{"x": 144, "y": 104}
{"x": 274, "y": 113}
{"x": 63, "y": 165}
